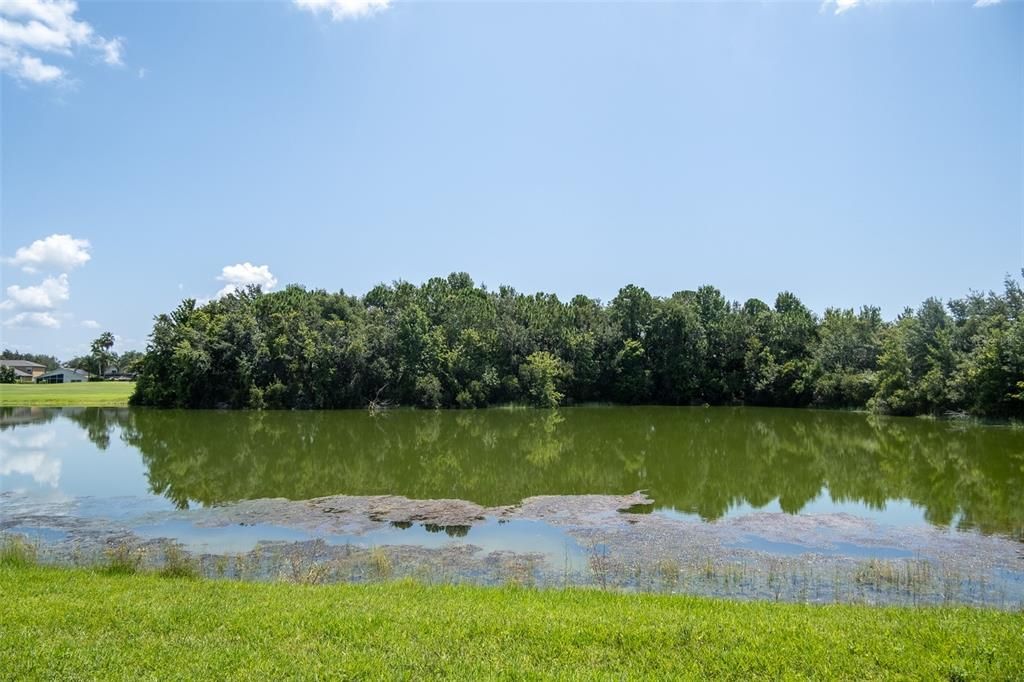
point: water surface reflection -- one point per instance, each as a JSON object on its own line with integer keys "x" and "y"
{"x": 703, "y": 461}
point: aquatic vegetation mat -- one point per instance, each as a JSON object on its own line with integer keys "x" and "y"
{"x": 545, "y": 541}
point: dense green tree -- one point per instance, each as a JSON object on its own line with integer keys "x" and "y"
{"x": 989, "y": 350}
{"x": 451, "y": 343}
{"x": 632, "y": 377}
{"x": 678, "y": 351}
{"x": 129, "y": 362}
{"x": 540, "y": 377}
{"x": 632, "y": 310}
{"x": 778, "y": 357}
{"x": 845, "y": 359}
{"x": 917, "y": 363}
{"x": 895, "y": 393}
{"x": 83, "y": 362}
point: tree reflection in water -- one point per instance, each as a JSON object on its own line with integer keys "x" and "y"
{"x": 699, "y": 460}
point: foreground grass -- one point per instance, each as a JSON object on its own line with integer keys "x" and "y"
{"x": 73, "y": 623}
{"x": 84, "y": 394}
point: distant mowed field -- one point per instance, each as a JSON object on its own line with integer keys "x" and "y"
{"x": 83, "y": 394}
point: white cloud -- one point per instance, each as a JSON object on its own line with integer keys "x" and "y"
{"x": 241, "y": 275}
{"x": 48, "y": 26}
{"x": 90, "y": 324}
{"x": 344, "y": 9}
{"x": 58, "y": 251}
{"x": 38, "y": 303}
{"x": 33, "y": 35}
{"x": 32, "y": 459}
{"x": 142, "y": 72}
{"x": 986, "y": 3}
{"x": 25, "y": 67}
{"x": 112, "y": 50}
{"x": 39, "y": 440}
{"x": 44, "y": 296}
{"x": 45, "y": 320}
{"x": 42, "y": 469}
{"x": 840, "y": 6}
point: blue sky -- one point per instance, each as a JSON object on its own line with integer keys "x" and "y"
{"x": 861, "y": 153}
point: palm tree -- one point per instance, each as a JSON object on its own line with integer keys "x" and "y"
{"x": 101, "y": 349}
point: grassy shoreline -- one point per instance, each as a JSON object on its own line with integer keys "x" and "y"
{"x": 83, "y": 394}
{"x": 71, "y": 623}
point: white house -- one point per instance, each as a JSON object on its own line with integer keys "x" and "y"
{"x": 64, "y": 375}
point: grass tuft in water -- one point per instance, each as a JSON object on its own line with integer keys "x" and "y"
{"x": 122, "y": 559}
{"x": 178, "y": 564}
{"x": 380, "y": 564}
{"x": 17, "y": 552}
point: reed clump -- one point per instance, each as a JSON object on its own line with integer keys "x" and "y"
{"x": 123, "y": 559}
{"x": 17, "y": 552}
{"x": 178, "y": 564}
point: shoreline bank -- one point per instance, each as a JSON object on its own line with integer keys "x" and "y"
{"x": 154, "y": 626}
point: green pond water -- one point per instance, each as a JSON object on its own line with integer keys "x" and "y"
{"x": 706, "y": 462}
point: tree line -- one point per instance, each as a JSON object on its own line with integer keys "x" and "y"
{"x": 451, "y": 343}
{"x": 47, "y": 361}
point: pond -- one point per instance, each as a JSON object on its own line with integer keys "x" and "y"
{"x": 549, "y": 493}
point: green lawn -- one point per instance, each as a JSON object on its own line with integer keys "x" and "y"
{"x": 76, "y": 623}
{"x": 84, "y": 394}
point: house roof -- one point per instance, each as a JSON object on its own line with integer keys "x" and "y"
{"x": 21, "y": 374}
{"x": 20, "y": 363}
{"x": 65, "y": 370}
